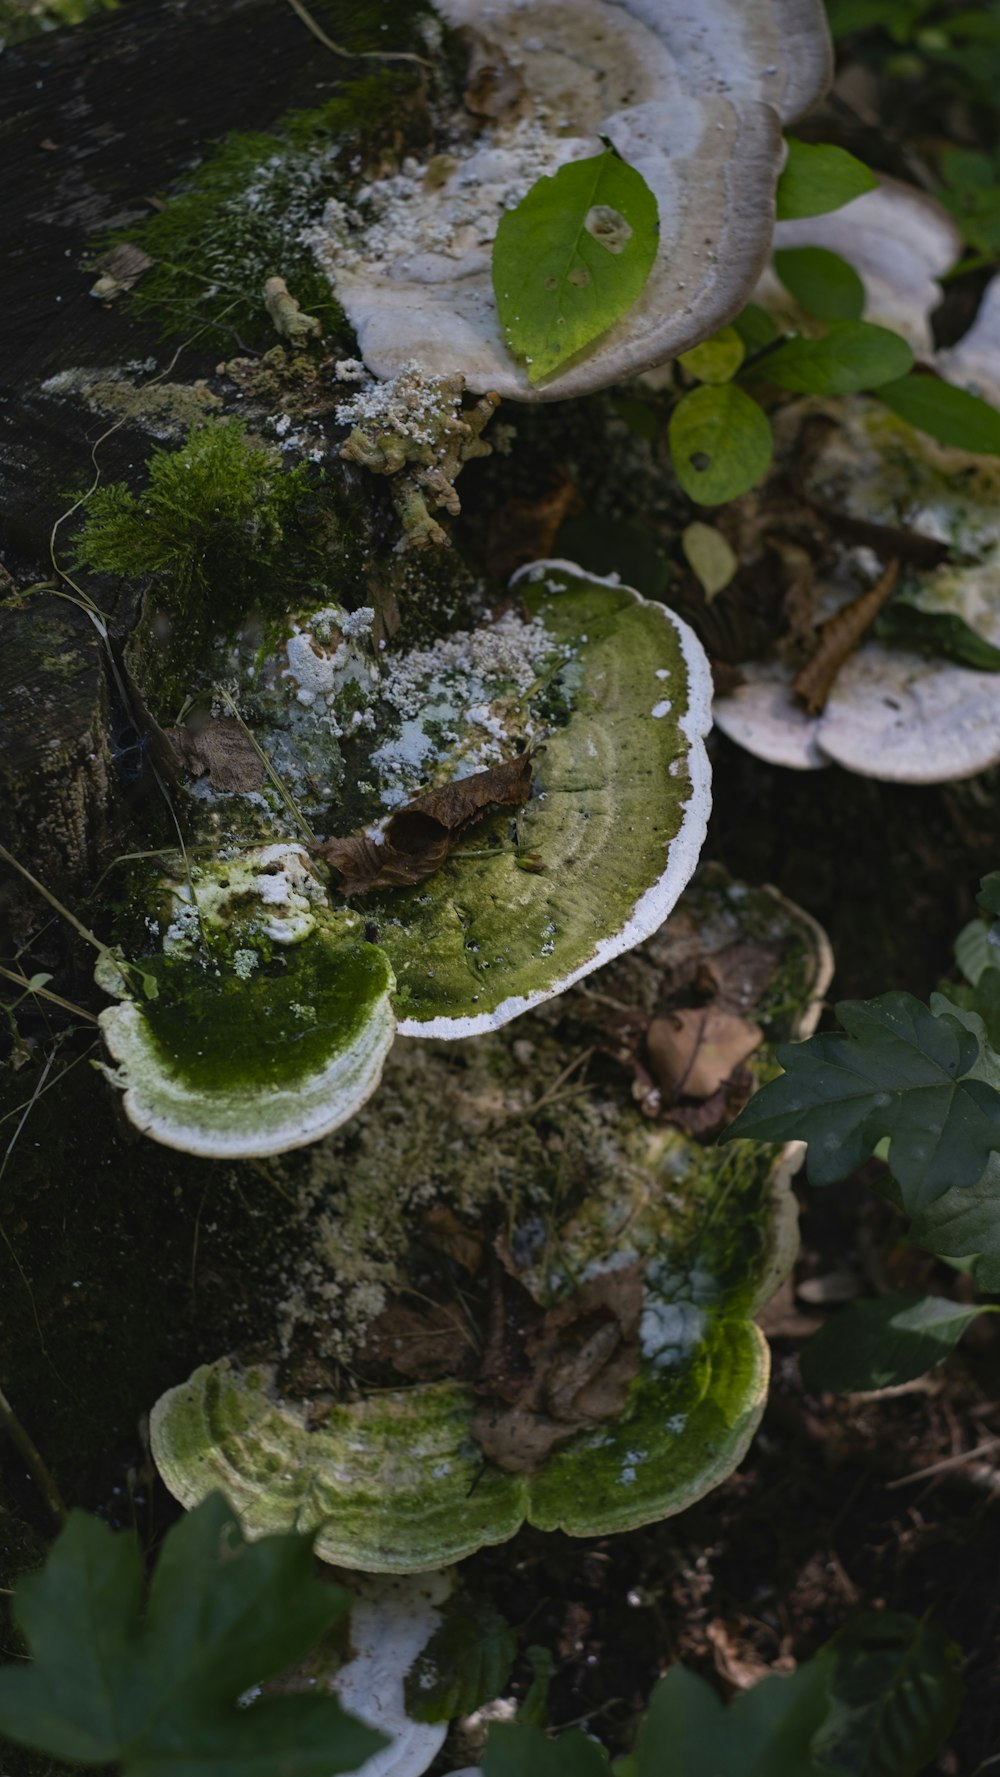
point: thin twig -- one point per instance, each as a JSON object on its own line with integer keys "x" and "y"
{"x": 44, "y": 994}
{"x": 350, "y": 55}
{"x": 77, "y": 924}
{"x": 283, "y": 792}
{"x": 36, "y": 1465}
{"x": 938, "y": 1468}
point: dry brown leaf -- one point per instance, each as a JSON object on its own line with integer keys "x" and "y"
{"x": 494, "y": 86}
{"x": 572, "y": 1372}
{"x": 693, "y": 1052}
{"x": 709, "y": 1116}
{"x": 525, "y": 530}
{"x": 420, "y": 836}
{"x": 444, "y": 1231}
{"x": 423, "y": 1343}
{"x": 739, "y": 975}
{"x": 838, "y": 638}
{"x": 220, "y": 749}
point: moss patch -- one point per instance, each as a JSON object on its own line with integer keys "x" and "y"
{"x": 218, "y": 1031}
{"x": 239, "y": 221}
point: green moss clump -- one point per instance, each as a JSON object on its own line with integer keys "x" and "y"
{"x": 218, "y": 506}
{"x": 220, "y": 527}
{"x": 21, "y": 19}
{"x": 219, "y": 1031}
{"x": 241, "y": 219}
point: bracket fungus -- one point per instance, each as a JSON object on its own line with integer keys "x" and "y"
{"x": 694, "y": 100}
{"x": 587, "y": 1275}
{"x": 893, "y": 712}
{"x": 279, "y": 988}
{"x": 259, "y": 1027}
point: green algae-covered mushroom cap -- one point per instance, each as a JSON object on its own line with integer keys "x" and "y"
{"x": 393, "y": 1479}
{"x": 610, "y": 836}
{"x": 395, "y": 1482}
{"x": 260, "y": 1026}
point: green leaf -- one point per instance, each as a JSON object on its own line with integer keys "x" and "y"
{"x": 851, "y": 355}
{"x": 755, "y": 327}
{"x": 950, "y": 415}
{"x": 984, "y": 1000}
{"x": 715, "y": 360}
{"x": 966, "y": 1223}
{"x": 900, "y": 1072}
{"x": 159, "y": 1692}
{"x": 720, "y": 443}
{"x": 709, "y": 557}
{"x": 974, "y": 951}
{"x": 572, "y": 258}
{"x": 880, "y": 1343}
{"x": 516, "y": 1750}
{"x": 821, "y": 282}
{"x": 989, "y": 892}
{"x": 896, "y": 1695}
{"x": 767, "y": 1732}
{"x": 941, "y": 633}
{"x": 465, "y": 1664}
{"x": 818, "y": 177}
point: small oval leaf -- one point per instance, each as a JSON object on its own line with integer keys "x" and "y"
{"x": 851, "y": 355}
{"x": 821, "y": 282}
{"x": 950, "y": 415}
{"x": 819, "y": 177}
{"x": 717, "y": 359}
{"x": 720, "y": 443}
{"x": 709, "y": 557}
{"x": 881, "y": 1343}
{"x": 572, "y": 258}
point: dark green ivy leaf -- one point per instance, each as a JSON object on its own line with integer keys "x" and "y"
{"x": 465, "y": 1664}
{"x": 572, "y": 258}
{"x": 989, "y": 892}
{"x": 851, "y": 355}
{"x": 950, "y": 415}
{"x": 720, "y": 443}
{"x": 880, "y": 1343}
{"x": 821, "y": 282}
{"x": 818, "y": 177}
{"x": 896, "y": 1695}
{"x": 766, "y": 1731}
{"x": 899, "y": 1072}
{"x": 158, "y": 1691}
{"x": 936, "y": 632}
{"x": 516, "y": 1750}
{"x": 965, "y": 1224}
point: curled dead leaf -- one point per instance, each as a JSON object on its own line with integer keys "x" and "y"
{"x": 572, "y": 1372}
{"x": 838, "y": 638}
{"x": 419, "y": 837}
{"x": 218, "y": 748}
{"x": 444, "y": 1231}
{"x": 693, "y": 1052}
{"x": 422, "y": 1343}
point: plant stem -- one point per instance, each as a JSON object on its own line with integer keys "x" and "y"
{"x": 77, "y": 924}
{"x": 35, "y": 1463}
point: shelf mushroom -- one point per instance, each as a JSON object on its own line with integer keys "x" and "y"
{"x": 695, "y": 100}
{"x": 266, "y": 1021}
{"x": 893, "y": 713}
{"x": 611, "y": 1262}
